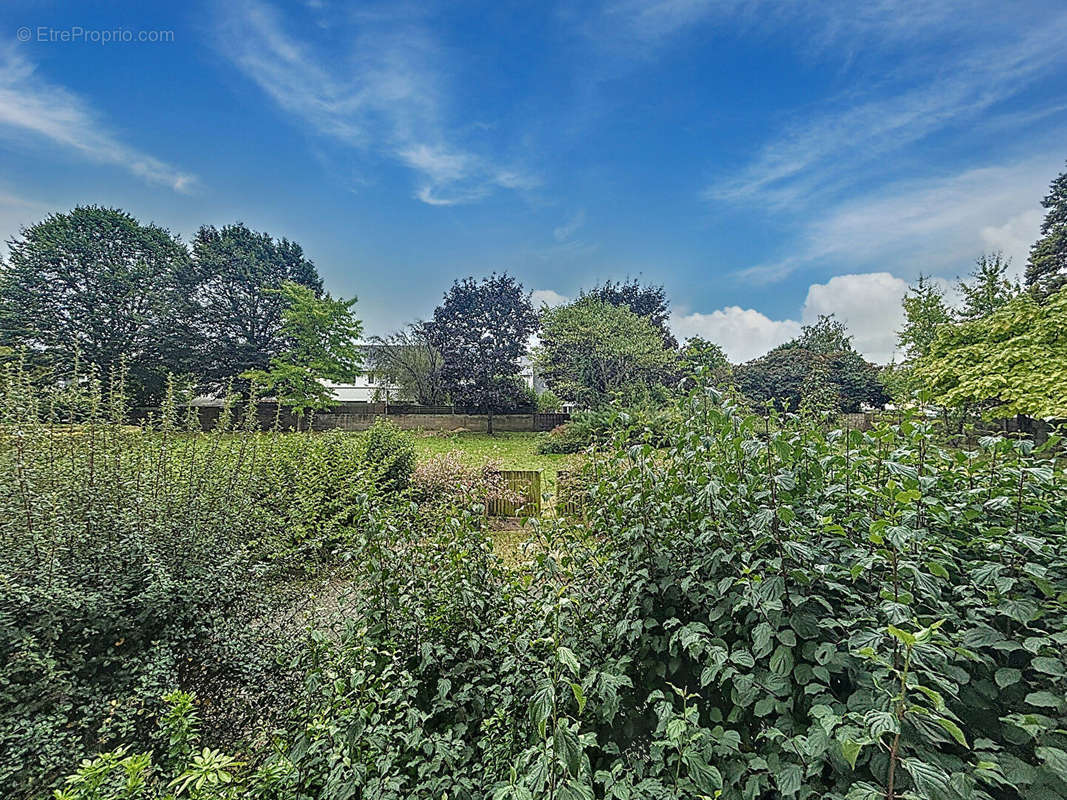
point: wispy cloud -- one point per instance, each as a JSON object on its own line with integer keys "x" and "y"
{"x": 834, "y": 147}
{"x": 31, "y": 108}
{"x": 573, "y": 224}
{"x": 384, "y": 94}
{"x": 933, "y": 225}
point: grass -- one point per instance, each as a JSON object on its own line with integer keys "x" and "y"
{"x": 512, "y": 450}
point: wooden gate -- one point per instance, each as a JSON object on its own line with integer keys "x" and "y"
{"x": 526, "y": 483}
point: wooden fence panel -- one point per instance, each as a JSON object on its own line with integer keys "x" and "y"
{"x": 546, "y": 422}
{"x": 569, "y": 495}
{"x": 526, "y": 483}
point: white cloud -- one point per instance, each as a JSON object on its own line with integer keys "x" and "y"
{"x": 743, "y": 333}
{"x": 31, "y": 105}
{"x": 548, "y": 297}
{"x": 849, "y": 138}
{"x": 869, "y": 304}
{"x": 388, "y": 98}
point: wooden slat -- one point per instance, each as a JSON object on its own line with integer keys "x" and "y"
{"x": 527, "y": 484}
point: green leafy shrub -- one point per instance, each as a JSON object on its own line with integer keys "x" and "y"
{"x": 138, "y": 560}
{"x": 186, "y": 771}
{"x": 647, "y": 423}
{"x": 548, "y": 402}
{"x": 391, "y": 453}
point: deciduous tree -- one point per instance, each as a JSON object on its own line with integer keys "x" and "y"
{"x": 408, "y": 361}
{"x": 819, "y": 369}
{"x": 321, "y": 344}
{"x": 1013, "y": 361}
{"x": 649, "y": 302}
{"x": 481, "y": 330}
{"x": 98, "y": 285}
{"x": 239, "y": 306}
{"x": 988, "y": 287}
{"x": 924, "y": 313}
{"x": 593, "y": 352}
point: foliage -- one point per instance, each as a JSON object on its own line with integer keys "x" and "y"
{"x": 446, "y": 479}
{"x": 818, "y": 370}
{"x": 96, "y": 286}
{"x": 989, "y": 287}
{"x": 635, "y": 424}
{"x": 548, "y": 402}
{"x": 1012, "y": 362}
{"x": 593, "y": 352}
{"x": 703, "y": 362}
{"x": 406, "y": 360}
{"x": 138, "y": 560}
{"x": 759, "y": 608}
{"x": 649, "y": 302}
{"x": 320, "y": 335}
{"x": 390, "y": 452}
{"x": 481, "y": 330}
{"x": 240, "y": 273}
{"x": 925, "y": 313}
{"x": 1046, "y": 271}
{"x": 207, "y": 774}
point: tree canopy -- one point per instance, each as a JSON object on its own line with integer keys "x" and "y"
{"x": 481, "y": 329}
{"x": 649, "y": 302}
{"x": 818, "y": 369}
{"x": 97, "y": 285}
{"x": 240, "y": 273}
{"x": 1013, "y": 361}
{"x": 988, "y": 287}
{"x": 925, "y": 312}
{"x": 1046, "y": 272}
{"x": 321, "y": 344}
{"x": 592, "y": 352}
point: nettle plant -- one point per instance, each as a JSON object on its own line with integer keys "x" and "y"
{"x": 855, "y": 614}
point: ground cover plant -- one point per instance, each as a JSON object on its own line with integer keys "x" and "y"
{"x": 758, "y": 608}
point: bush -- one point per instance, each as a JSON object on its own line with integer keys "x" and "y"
{"x": 138, "y": 560}
{"x": 647, "y": 424}
{"x": 391, "y": 453}
{"x": 445, "y": 479}
{"x": 548, "y": 402}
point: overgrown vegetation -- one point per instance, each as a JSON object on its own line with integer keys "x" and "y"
{"x": 760, "y": 608}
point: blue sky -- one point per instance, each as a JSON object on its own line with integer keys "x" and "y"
{"x": 765, "y": 161}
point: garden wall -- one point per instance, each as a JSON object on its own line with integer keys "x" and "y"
{"x": 361, "y": 416}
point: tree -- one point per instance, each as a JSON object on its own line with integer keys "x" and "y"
{"x": 239, "y": 303}
{"x": 924, "y": 314}
{"x": 481, "y": 330}
{"x": 408, "y": 361}
{"x": 649, "y": 302}
{"x": 321, "y": 344}
{"x": 819, "y": 369}
{"x": 703, "y": 361}
{"x": 988, "y": 288}
{"x": 593, "y": 352}
{"x": 1012, "y": 362}
{"x": 96, "y": 285}
{"x": 1046, "y": 272}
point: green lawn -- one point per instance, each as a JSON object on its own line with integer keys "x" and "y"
{"x": 512, "y": 450}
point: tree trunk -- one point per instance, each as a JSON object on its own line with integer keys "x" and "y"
{"x": 489, "y": 425}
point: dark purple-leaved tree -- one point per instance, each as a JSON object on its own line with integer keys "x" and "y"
{"x": 481, "y": 329}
